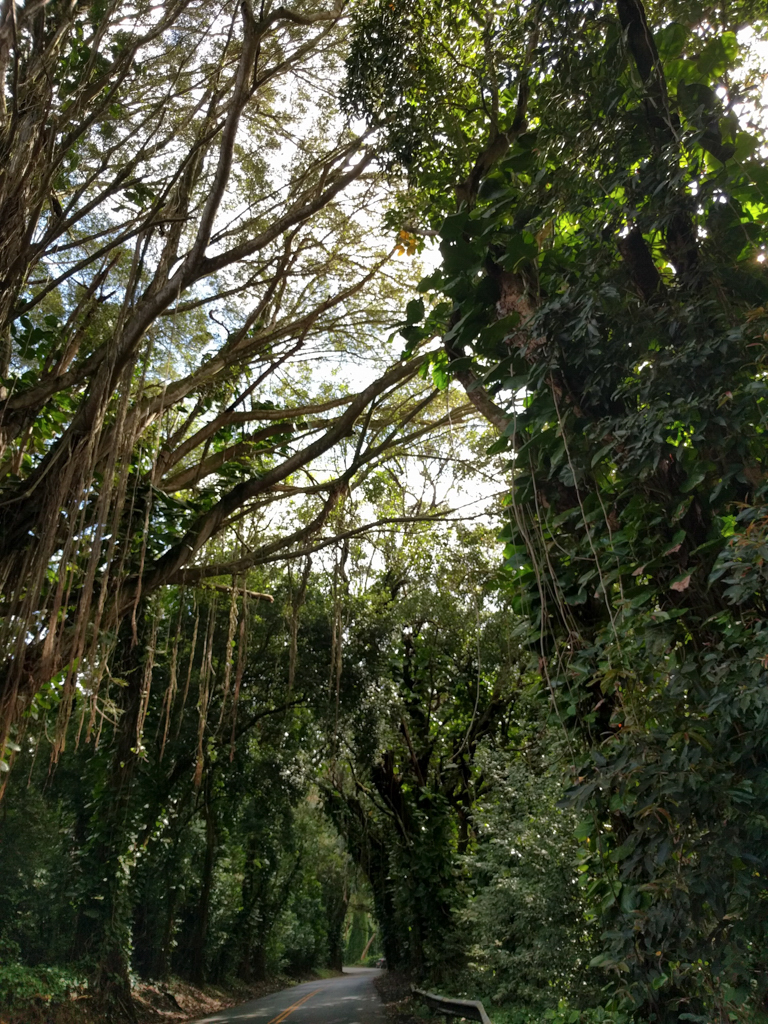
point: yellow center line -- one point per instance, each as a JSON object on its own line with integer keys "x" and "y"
{"x": 286, "y": 1013}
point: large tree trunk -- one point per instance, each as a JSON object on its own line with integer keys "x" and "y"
{"x": 104, "y": 912}
{"x": 258, "y": 962}
{"x": 336, "y": 911}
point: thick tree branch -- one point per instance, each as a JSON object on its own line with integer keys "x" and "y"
{"x": 210, "y": 523}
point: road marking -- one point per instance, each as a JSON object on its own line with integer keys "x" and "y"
{"x": 286, "y": 1013}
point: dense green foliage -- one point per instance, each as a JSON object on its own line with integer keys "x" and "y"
{"x": 193, "y": 850}
{"x": 438, "y": 788}
{"x": 541, "y": 779}
{"x": 205, "y": 851}
{"x": 604, "y": 278}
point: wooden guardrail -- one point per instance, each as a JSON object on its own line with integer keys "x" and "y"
{"x": 470, "y": 1009}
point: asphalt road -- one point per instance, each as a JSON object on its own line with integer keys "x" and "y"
{"x": 351, "y": 999}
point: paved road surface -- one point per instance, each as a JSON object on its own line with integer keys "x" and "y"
{"x": 351, "y": 999}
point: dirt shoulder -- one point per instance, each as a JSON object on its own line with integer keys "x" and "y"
{"x": 179, "y": 1001}
{"x": 175, "y": 1002}
{"x": 395, "y": 992}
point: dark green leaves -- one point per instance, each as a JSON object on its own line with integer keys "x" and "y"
{"x": 670, "y": 41}
{"x": 459, "y": 257}
{"x": 519, "y": 249}
{"x": 414, "y": 311}
{"x": 453, "y": 227}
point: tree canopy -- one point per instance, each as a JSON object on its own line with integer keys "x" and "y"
{"x": 236, "y": 424}
{"x": 186, "y": 242}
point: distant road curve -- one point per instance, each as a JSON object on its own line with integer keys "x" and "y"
{"x": 351, "y": 999}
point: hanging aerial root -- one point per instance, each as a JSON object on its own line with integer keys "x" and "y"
{"x": 190, "y": 664}
{"x": 204, "y": 692}
{"x": 297, "y": 600}
{"x": 228, "y": 653}
{"x": 242, "y": 650}
{"x": 170, "y": 693}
